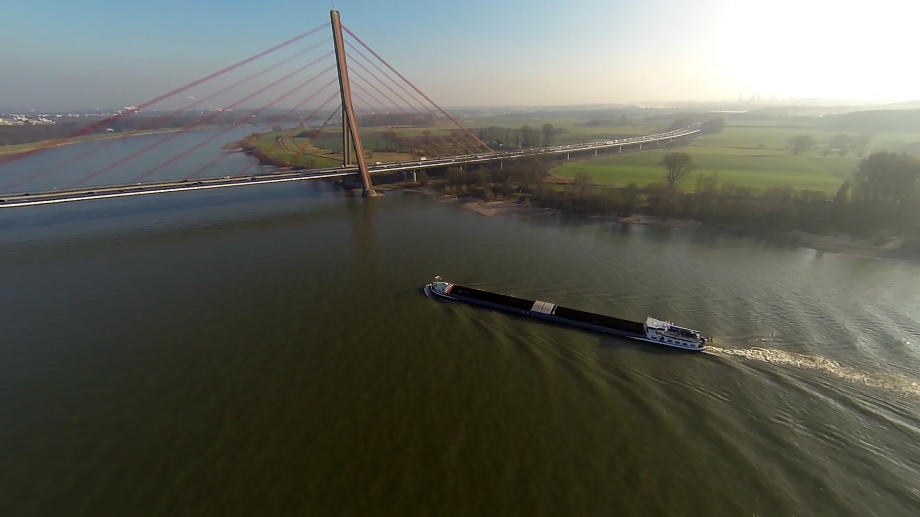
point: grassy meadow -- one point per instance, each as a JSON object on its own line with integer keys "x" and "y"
{"x": 575, "y": 130}
{"x": 755, "y": 168}
{"x": 324, "y": 152}
{"x": 749, "y": 155}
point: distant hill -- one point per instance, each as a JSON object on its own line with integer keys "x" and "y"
{"x": 913, "y": 148}
{"x": 909, "y": 105}
{"x": 667, "y": 118}
{"x": 796, "y": 111}
{"x": 875, "y": 121}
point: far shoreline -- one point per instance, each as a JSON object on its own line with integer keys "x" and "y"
{"x": 96, "y": 137}
{"x": 838, "y": 244}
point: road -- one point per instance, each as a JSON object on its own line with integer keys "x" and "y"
{"x": 23, "y": 199}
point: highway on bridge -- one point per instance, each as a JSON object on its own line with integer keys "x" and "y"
{"x": 15, "y": 200}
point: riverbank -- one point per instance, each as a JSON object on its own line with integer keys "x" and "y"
{"x": 61, "y": 142}
{"x": 893, "y": 248}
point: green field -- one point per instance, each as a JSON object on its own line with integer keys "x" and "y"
{"x": 758, "y": 169}
{"x": 574, "y": 130}
{"x": 749, "y": 136}
{"x": 748, "y": 155}
{"x": 570, "y": 124}
{"x": 320, "y": 159}
{"x": 320, "y": 153}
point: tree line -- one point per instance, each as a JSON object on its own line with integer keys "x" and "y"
{"x": 522, "y": 138}
{"x": 396, "y": 119}
{"x": 842, "y": 144}
{"x": 26, "y": 134}
{"x": 879, "y": 200}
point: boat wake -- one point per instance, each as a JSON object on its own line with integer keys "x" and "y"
{"x": 893, "y": 382}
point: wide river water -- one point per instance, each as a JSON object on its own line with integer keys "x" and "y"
{"x": 268, "y": 351}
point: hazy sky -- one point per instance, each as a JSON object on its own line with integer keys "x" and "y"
{"x": 70, "y": 54}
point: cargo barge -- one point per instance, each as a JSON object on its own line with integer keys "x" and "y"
{"x": 652, "y": 331}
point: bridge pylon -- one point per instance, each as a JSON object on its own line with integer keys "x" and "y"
{"x": 351, "y": 140}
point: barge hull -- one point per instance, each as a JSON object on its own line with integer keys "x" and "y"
{"x": 558, "y": 314}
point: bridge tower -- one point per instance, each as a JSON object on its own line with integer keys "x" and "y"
{"x": 351, "y": 140}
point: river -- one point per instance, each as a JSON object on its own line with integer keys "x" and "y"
{"x": 267, "y": 351}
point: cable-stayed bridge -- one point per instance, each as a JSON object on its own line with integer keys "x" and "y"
{"x": 304, "y": 75}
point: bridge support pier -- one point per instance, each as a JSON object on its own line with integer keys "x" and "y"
{"x": 595, "y": 152}
{"x": 349, "y": 122}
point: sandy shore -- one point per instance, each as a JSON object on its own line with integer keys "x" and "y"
{"x": 842, "y": 244}
{"x": 493, "y": 208}
{"x": 847, "y": 245}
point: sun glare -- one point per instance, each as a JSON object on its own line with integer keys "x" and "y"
{"x": 819, "y": 48}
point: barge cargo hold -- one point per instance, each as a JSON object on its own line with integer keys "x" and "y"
{"x": 652, "y": 331}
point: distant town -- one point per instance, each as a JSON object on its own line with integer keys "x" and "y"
{"x": 51, "y": 117}
{"x": 26, "y": 120}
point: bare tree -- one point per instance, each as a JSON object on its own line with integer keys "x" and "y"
{"x": 843, "y": 195}
{"x": 711, "y": 127}
{"x": 626, "y": 198}
{"x": 526, "y": 134}
{"x": 548, "y": 133}
{"x": 677, "y": 165}
{"x": 887, "y": 177}
{"x": 800, "y": 143}
{"x": 581, "y": 183}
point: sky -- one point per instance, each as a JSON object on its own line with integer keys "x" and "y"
{"x": 78, "y": 55}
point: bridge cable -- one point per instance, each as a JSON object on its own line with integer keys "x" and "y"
{"x": 275, "y": 144}
{"x": 377, "y": 118}
{"x": 301, "y": 150}
{"x": 353, "y": 35}
{"x": 397, "y": 119}
{"x": 418, "y": 120}
{"x": 450, "y": 130}
{"x": 107, "y": 121}
{"x": 232, "y": 126}
{"x": 158, "y": 120}
{"x": 200, "y": 122}
{"x": 439, "y": 150}
{"x": 437, "y": 124}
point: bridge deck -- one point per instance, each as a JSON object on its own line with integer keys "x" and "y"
{"x": 22, "y": 199}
